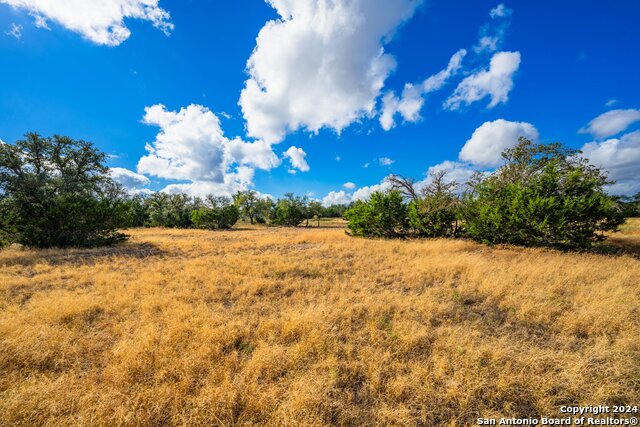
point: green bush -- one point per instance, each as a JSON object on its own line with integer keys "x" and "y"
{"x": 544, "y": 195}
{"x": 223, "y": 217}
{"x": 57, "y": 192}
{"x": 170, "y": 210}
{"x": 434, "y": 216}
{"x": 289, "y": 211}
{"x": 7, "y": 229}
{"x": 434, "y": 210}
{"x": 383, "y": 215}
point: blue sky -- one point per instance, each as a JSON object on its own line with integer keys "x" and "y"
{"x": 186, "y": 97}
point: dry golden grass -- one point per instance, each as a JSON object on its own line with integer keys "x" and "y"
{"x": 311, "y": 327}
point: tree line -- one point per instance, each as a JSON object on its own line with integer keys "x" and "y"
{"x": 544, "y": 195}
{"x": 57, "y": 192}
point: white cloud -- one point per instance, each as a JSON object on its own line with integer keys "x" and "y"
{"x": 611, "y": 102}
{"x": 611, "y": 123}
{"x": 500, "y": 11}
{"x": 336, "y": 198}
{"x": 385, "y": 161}
{"x": 258, "y": 154}
{"x": 349, "y": 185}
{"x": 128, "y": 179}
{"x": 412, "y": 100}
{"x": 100, "y": 21}
{"x": 15, "y": 31}
{"x": 492, "y": 34}
{"x": 191, "y": 146}
{"x": 365, "y": 193}
{"x": 457, "y": 172}
{"x": 338, "y": 158}
{"x": 492, "y": 138}
{"x": 321, "y": 65}
{"x": 620, "y": 158}
{"x": 297, "y": 158}
{"x": 495, "y": 82}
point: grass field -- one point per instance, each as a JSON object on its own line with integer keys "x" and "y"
{"x": 311, "y": 327}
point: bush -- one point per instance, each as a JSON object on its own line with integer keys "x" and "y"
{"x": 434, "y": 216}
{"x": 170, "y": 210}
{"x": 57, "y": 192}
{"x": 220, "y": 216}
{"x": 289, "y": 211}
{"x": 383, "y": 215}
{"x": 544, "y": 195}
{"x": 435, "y": 212}
{"x": 7, "y": 230}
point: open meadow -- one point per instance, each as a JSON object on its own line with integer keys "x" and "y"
{"x": 308, "y": 326}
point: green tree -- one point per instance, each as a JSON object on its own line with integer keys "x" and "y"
{"x": 435, "y": 212}
{"x": 7, "y": 221}
{"x": 544, "y": 195}
{"x": 383, "y": 215}
{"x": 288, "y": 211}
{"x": 316, "y": 210}
{"x": 248, "y": 204}
{"x": 57, "y": 192}
{"x": 170, "y": 210}
{"x": 215, "y": 213}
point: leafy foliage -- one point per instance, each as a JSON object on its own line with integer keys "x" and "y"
{"x": 435, "y": 212}
{"x": 383, "y": 215}
{"x": 220, "y": 214}
{"x": 288, "y": 211}
{"x": 544, "y": 195}
{"x": 170, "y": 210}
{"x": 57, "y": 193}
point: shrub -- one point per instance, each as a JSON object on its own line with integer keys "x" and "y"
{"x": 383, "y": 215}
{"x": 222, "y": 215}
{"x": 289, "y": 211}
{"x": 7, "y": 230}
{"x": 544, "y": 195}
{"x": 170, "y": 210}
{"x": 57, "y": 193}
{"x": 435, "y": 212}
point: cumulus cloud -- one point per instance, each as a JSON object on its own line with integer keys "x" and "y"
{"x": 15, "y": 31}
{"x": 496, "y": 82}
{"x": 620, "y": 157}
{"x": 349, "y": 185}
{"x": 364, "y": 193}
{"x": 297, "y": 158}
{"x": 100, "y": 21}
{"x": 336, "y": 198}
{"x": 492, "y": 138}
{"x": 192, "y": 147}
{"x": 322, "y": 64}
{"x": 413, "y": 96}
{"x": 128, "y": 179}
{"x": 611, "y": 123}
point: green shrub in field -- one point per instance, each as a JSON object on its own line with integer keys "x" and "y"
{"x": 434, "y": 211}
{"x": 7, "y": 229}
{"x": 57, "y": 192}
{"x": 383, "y": 215}
{"x": 288, "y": 211}
{"x": 220, "y": 213}
{"x": 544, "y": 195}
{"x": 170, "y": 210}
